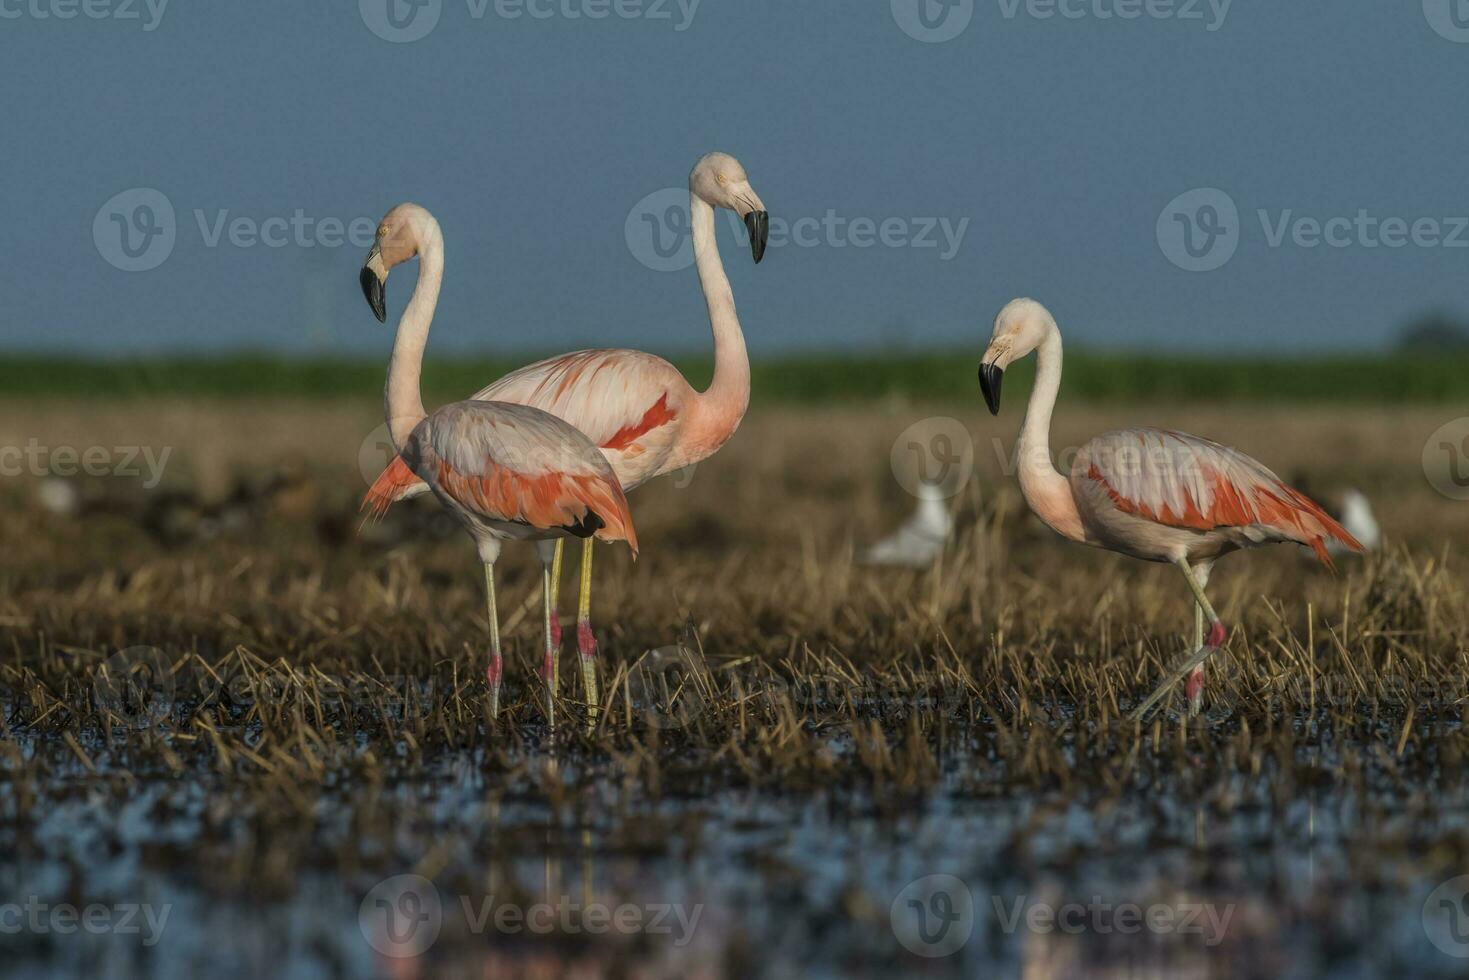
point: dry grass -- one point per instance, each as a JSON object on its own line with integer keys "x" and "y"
{"x": 326, "y": 688}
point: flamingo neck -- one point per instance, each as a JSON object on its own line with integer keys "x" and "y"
{"x": 403, "y": 396}
{"x": 723, "y": 404}
{"x": 1046, "y": 489}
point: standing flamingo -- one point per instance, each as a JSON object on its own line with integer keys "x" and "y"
{"x": 647, "y": 419}
{"x": 507, "y": 472}
{"x": 1149, "y": 493}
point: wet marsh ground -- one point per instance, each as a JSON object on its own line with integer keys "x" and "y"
{"x": 265, "y": 733}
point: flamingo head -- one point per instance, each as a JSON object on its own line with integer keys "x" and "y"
{"x": 401, "y": 235}
{"x": 1021, "y": 327}
{"x": 720, "y": 181}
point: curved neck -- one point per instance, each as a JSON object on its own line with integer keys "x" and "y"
{"x": 1035, "y": 433}
{"x": 1044, "y": 487}
{"x": 402, "y": 396}
{"x": 728, "y": 394}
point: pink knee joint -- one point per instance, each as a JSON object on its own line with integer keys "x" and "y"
{"x": 585, "y": 641}
{"x": 1216, "y": 634}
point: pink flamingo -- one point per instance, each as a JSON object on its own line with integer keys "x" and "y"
{"x": 1153, "y": 494}
{"x": 507, "y": 472}
{"x": 637, "y": 407}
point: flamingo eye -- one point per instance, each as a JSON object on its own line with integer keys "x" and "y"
{"x": 721, "y": 178}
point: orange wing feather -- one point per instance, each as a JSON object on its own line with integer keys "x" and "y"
{"x": 546, "y": 500}
{"x": 387, "y": 488}
{"x": 1253, "y": 496}
{"x": 657, "y": 414}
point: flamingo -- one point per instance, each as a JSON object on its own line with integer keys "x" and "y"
{"x": 506, "y": 472}
{"x": 1150, "y": 493}
{"x": 647, "y": 419}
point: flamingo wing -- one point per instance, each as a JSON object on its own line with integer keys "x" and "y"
{"x": 627, "y": 402}
{"x": 630, "y": 404}
{"x": 513, "y": 463}
{"x": 1182, "y": 481}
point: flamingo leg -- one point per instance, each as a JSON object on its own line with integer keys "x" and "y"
{"x": 1194, "y": 686}
{"x": 556, "y": 596}
{"x": 586, "y": 642}
{"x": 1194, "y": 662}
{"x": 548, "y": 668}
{"x": 496, "y": 670}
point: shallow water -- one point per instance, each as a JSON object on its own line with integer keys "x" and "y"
{"x": 963, "y": 882}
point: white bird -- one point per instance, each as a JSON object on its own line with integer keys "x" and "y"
{"x": 1356, "y": 516}
{"x": 922, "y": 537}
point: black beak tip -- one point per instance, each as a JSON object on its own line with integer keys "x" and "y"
{"x": 758, "y": 224}
{"x": 372, "y": 288}
{"x": 990, "y": 378}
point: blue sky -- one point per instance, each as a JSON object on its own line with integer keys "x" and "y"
{"x": 1051, "y": 138}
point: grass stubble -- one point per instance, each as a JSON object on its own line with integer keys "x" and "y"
{"x": 318, "y": 706}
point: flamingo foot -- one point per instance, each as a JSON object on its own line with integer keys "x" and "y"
{"x": 1194, "y": 688}
{"x": 494, "y": 673}
{"x": 1191, "y": 668}
{"x": 586, "y": 646}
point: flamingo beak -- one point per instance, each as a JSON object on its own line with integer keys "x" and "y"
{"x": 758, "y": 224}
{"x": 374, "y": 278}
{"x": 990, "y": 376}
